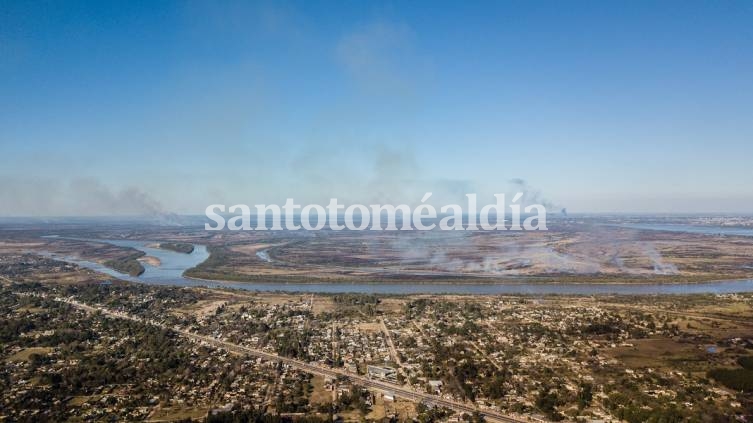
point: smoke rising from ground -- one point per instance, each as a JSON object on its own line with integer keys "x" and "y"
{"x": 78, "y": 197}
{"x": 389, "y": 176}
{"x": 533, "y": 196}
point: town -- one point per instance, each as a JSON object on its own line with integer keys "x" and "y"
{"x": 100, "y": 349}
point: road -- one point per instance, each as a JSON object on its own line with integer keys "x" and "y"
{"x": 390, "y": 344}
{"x": 355, "y": 379}
{"x": 485, "y": 355}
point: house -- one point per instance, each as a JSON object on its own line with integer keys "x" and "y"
{"x": 384, "y": 373}
{"x": 436, "y": 386}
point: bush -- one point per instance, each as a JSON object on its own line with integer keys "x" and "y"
{"x": 737, "y": 379}
{"x": 746, "y": 362}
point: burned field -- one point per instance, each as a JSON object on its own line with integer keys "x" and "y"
{"x": 573, "y": 250}
{"x": 569, "y": 252}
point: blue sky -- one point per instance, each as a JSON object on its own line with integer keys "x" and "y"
{"x": 128, "y": 107}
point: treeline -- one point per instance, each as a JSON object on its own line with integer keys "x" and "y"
{"x": 746, "y": 362}
{"x": 178, "y": 247}
{"x": 11, "y": 329}
{"x": 362, "y": 303}
{"x": 293, "y": 343}
{"x": 737, "y": 379}
{"x": 128, "y": 264}
{"x": 636, "y": 408}
{"x": 354, "y": 400}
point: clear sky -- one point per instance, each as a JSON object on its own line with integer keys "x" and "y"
{"x": 129, "y": 106}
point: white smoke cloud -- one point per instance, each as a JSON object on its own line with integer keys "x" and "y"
{"x": 78, "y": 197}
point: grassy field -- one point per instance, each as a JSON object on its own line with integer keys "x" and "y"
{"x": 177, "y": 413}
{"x": 319, "y": 395}
{"x": 655, "y": 353}
{"x": 26, "y": 353}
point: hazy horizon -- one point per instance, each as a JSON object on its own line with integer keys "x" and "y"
{"x": 151, "y": 108}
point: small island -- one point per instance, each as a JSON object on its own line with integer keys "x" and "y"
{"x": 128, "y": 264}
{"x": 178, "y": 247}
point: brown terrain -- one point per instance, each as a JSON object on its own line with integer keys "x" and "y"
{"x": 571, "y": 251}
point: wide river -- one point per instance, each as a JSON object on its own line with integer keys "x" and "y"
{"x": 173, "y": 265}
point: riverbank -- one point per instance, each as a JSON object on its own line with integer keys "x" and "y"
{"x": 176, "y": 270}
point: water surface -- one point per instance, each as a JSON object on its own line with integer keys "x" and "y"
{"x": 691, "y": 229}
{"x": 174, "y": 264}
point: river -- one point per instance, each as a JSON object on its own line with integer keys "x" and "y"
{"x": 174, "y": 264}
{"x": 691, "y": 229}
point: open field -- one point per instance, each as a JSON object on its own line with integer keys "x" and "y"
{"x": 568, "y": 252}
{"x": 152, "y": 261}
{"x": 173, "y": 414}
{"x": 26, "y": 353}
{"x": 594, "y": 250}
